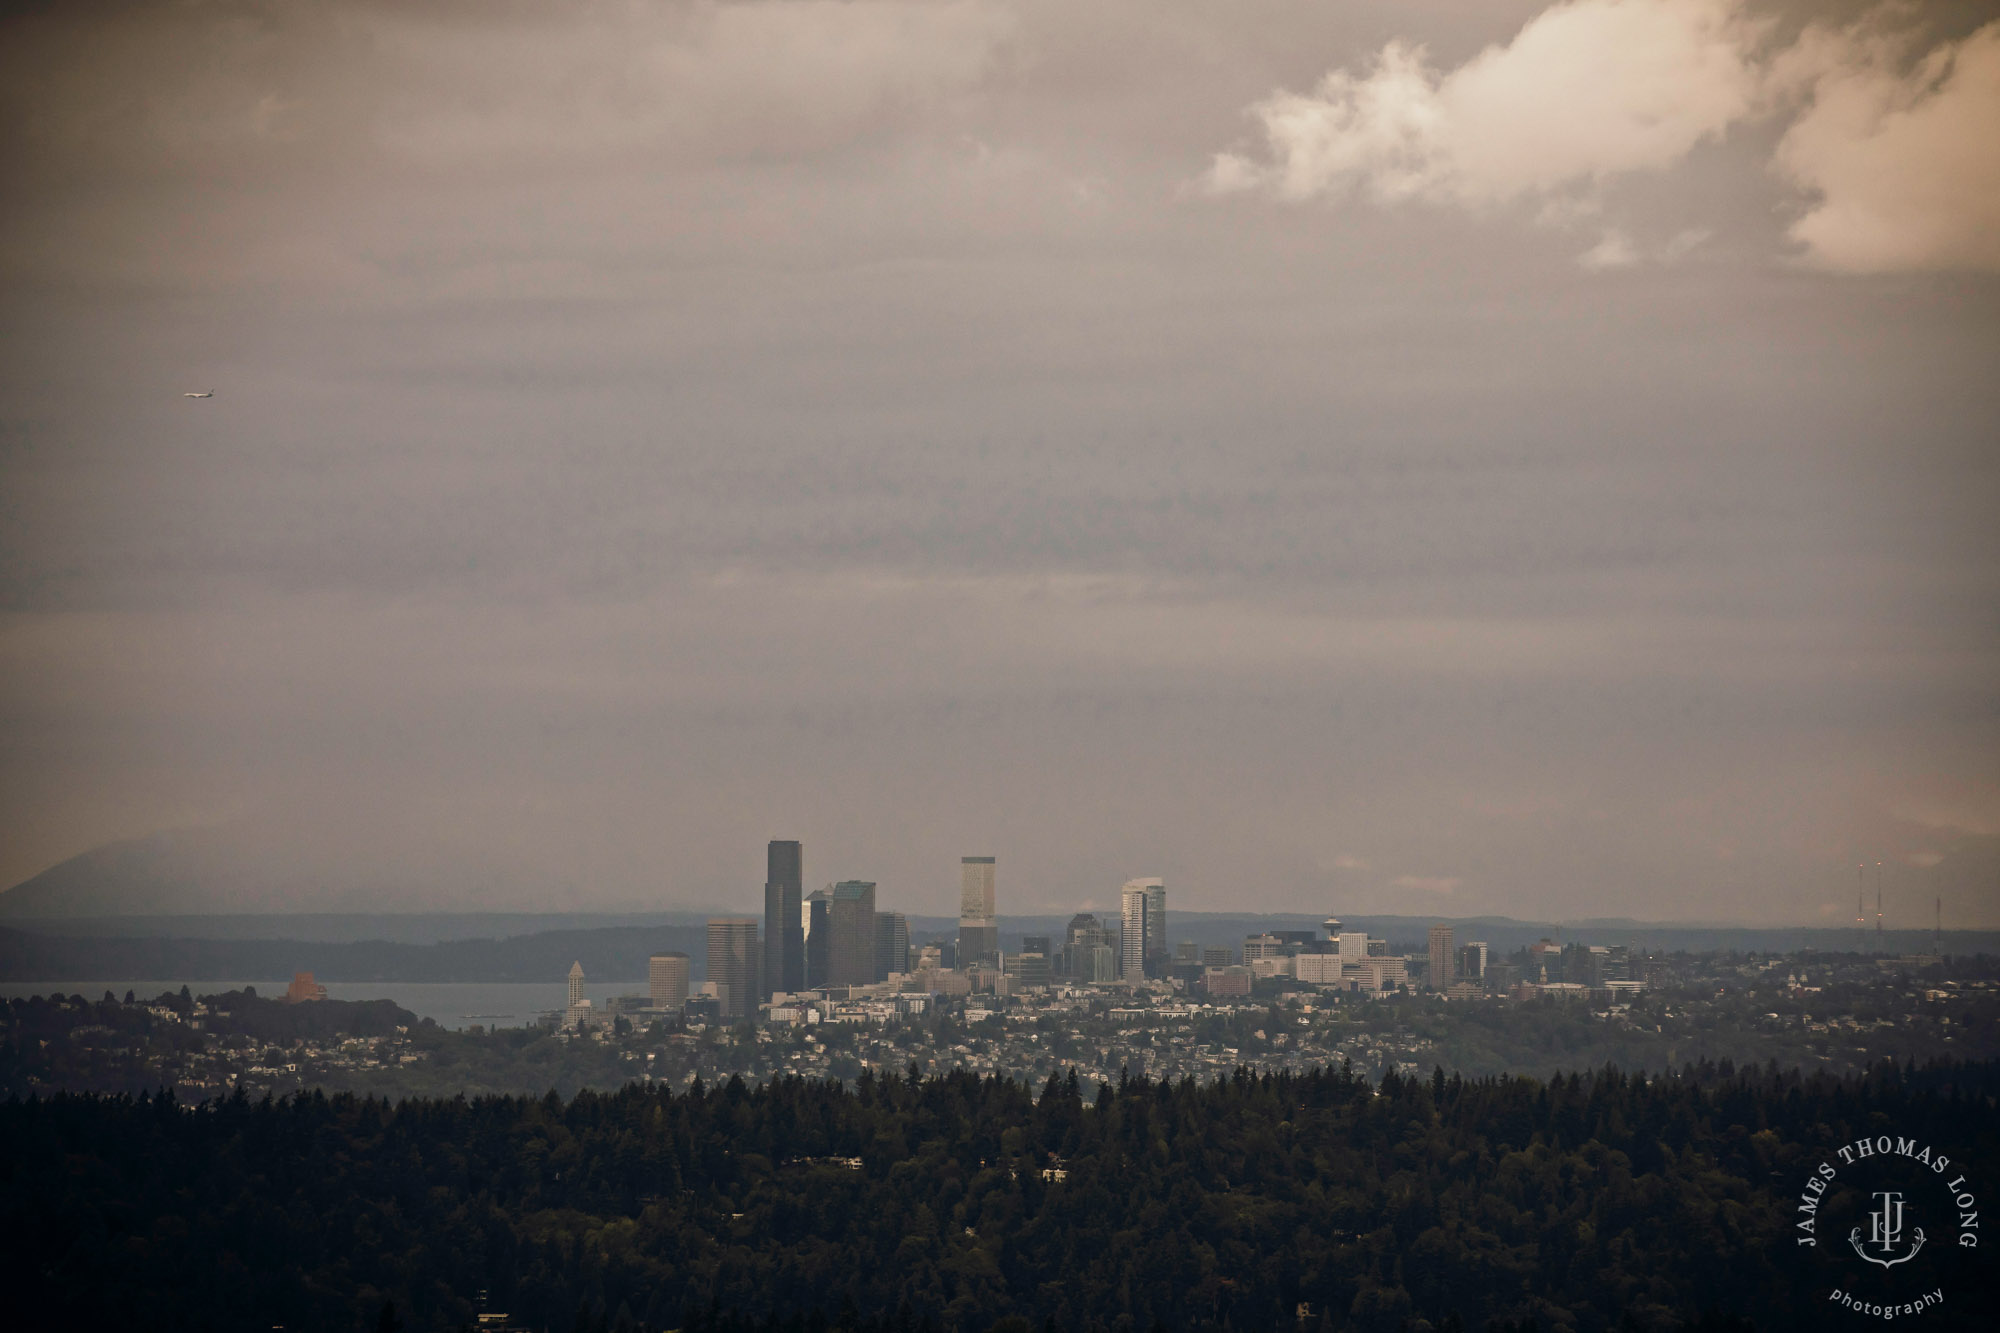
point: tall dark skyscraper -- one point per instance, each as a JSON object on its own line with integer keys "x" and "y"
{"x": 818, "y": 936}
{"x": 733, "y": 963}
{"x": 850, "y": 950}
{"x": 1085, "y": 933}
{"x": 784, "y": 932}
{"x": 1156, "y": 926}
{"x": 1444, "y": 959}
{"x": 892, "y": 944}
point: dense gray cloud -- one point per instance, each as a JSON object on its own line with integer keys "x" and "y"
{"x": 642, "y": 430}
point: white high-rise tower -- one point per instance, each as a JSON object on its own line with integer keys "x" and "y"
{"x": 577, "y": 1017}
{"x": 1132, "y": 930}
{"x": 978, "y": 918}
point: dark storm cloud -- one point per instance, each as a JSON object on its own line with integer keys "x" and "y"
{"x": 643, "y": 430}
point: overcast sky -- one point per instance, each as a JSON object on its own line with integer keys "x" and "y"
{"x": 1444, "y": 457}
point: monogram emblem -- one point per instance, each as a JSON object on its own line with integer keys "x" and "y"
{"x": 1885, "y": 1233}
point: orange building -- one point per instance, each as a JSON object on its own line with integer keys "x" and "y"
{"x": 304, "y": 988}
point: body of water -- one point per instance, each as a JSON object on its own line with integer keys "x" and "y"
{"x": 452, "y": 1004}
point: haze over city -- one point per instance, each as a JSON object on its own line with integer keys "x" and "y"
{"x": 1365, "y": 457}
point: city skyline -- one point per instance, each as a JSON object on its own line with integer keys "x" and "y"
{"x": 1911, "y": 905}
{"x": 854, "y": 950}
{"x": 1914, "y": 899}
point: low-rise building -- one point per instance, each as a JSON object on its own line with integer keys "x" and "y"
{"x": 1230, "y": 980}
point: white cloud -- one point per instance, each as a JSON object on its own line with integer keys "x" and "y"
{"x": 1684, "y": 243}
{"x": 1587, "y": 90}
{"x": 1904, "y": 165}
{"x": 1894, "y": 145}
{"x": 1615, "y": 250}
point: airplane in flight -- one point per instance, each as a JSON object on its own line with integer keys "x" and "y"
{"x": 206, "y": 393}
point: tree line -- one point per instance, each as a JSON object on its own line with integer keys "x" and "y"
{"x": 1601, "y": 1200}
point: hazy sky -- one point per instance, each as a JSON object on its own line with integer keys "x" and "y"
{"x": 1445, "y": 457}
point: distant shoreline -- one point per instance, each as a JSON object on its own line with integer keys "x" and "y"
{"x": 615, "y": 949}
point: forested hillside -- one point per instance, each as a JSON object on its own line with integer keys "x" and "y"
{"x": 609, "y": 953}
{"x": 1255, "y": 1202}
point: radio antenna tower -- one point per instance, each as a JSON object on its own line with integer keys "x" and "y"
{"x": 1937, "y": 931}
{"x": 1878, "y": 902}
{"x": 1860, "y": 888}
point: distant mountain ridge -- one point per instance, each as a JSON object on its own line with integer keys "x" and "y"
{"x": 240, "y": 870}
{"x": 134, "y": 876}
{"x": 233, "y": 883}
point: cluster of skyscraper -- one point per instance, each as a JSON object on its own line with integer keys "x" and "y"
{"x": 837, "y": 938}
{"x": 833, "y": 938}
{"x": 810, "y": 949}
